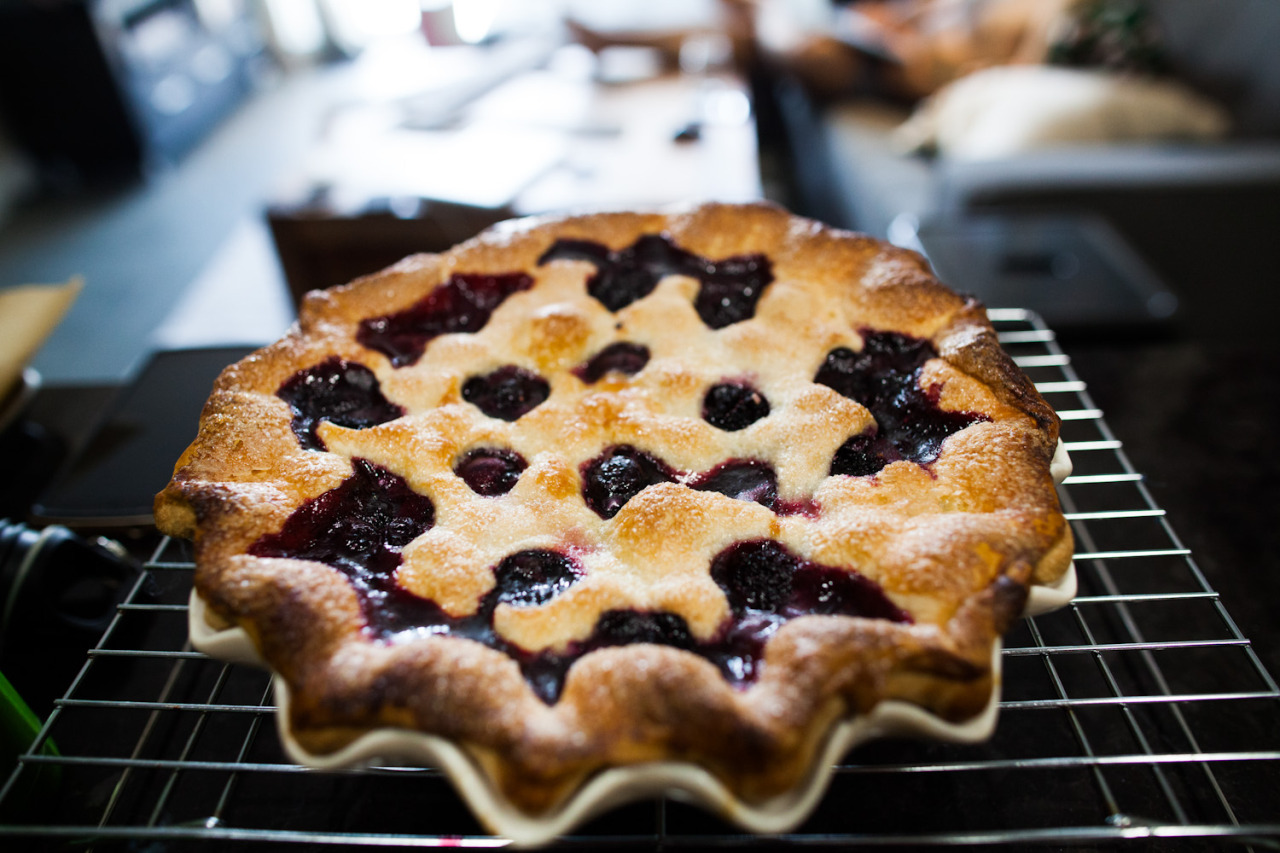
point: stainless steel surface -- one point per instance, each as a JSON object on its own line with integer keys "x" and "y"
{"x": 1138, "y": 714}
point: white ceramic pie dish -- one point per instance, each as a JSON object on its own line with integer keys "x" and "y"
{"x": 618, "y": 785}
{"x": 610, "y": 787}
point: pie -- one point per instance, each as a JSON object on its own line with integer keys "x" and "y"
{"x": 594, "y": 506}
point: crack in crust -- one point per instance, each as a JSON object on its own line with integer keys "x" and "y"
{"x": 955, "y": 543}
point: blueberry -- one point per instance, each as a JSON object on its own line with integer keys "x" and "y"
{"x": 490, "y": 471}
{"x": 359, "y": 527}
{"x": 885, "y": 378}
{"x": 755, "y": 575}
{"x": 741, "y": 479}
{"x": 619, "y": 474}
{"x": 731, "y": 288}
{"x": 529, "y": 578}
{"x": 624, "y": 627}
{"x": 507, "y": 393}
{"x": 826, "y": 590}
{"x": 863, "y": 455}
{"x": 732, "y": 406}
{"x": 728, "y": 288}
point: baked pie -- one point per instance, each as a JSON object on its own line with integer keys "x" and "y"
{"x": 596, "y": 506}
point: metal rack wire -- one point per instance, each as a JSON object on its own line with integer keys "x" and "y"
{"x": 1138, "y": 713}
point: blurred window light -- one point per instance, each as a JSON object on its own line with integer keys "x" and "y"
{"x": 174, "y": 94}
{"x": 357, "y": 23}
{"x": 474, "y": 19}
{"x": 645, "y": 16}
{"x": 211, "y": 64}
{"x": 728, "y": 107}
{"x": 219, "y": 15}
{"x": 296, "y": 26}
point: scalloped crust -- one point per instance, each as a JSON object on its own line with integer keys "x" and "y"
{"x": 231, "y": 486}
{"x": 619, "y": 785}
{"x": 607, "y": 788}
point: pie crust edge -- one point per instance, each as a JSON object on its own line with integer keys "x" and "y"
{"x": 340, "y": 690}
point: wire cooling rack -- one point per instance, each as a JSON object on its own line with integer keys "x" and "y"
{"x": 1139, "y": 713}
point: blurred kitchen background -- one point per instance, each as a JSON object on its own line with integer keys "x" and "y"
{"x": 197, "y": 160}
{"x": 202, "y": 162}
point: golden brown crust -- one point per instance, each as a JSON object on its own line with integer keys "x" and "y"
{"x": 955, "y": 543}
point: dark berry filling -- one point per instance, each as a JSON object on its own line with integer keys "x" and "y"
{"x": 362, "y": 526}
{"x": 530, "y": 578}
{"x": 885, "y": 377}
{"x": 546, "y": 671}
{"x": 741, "y": 479}
{"x": 464, "y": 303}
{"x": 359, "y": 527}
{"x": 624, "y": 276}
{"x": 621, "y": 357}
{"x": 343, "y": 392}
{"x": 523, "y": 579}
{"x": 625, "y": 627}
{"x": 755, "y": 575}
{"x": 619, "y": 474}
{"x": 506, "y": 393}
{"x": 490, "y": 471}
{"x": 733, "y": 406}
{"x": 863, "y": 455}
{"x": 730, "y": 288}
{"x": 767, "y": 585}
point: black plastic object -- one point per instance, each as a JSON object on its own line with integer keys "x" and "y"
{"x": 1077, "y": 272}
{"x": 57, "y": 588}
{"x": 29, "y": 453}
{"x": 114, "y": 480}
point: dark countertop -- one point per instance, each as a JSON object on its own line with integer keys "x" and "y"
{"x": 1197, "y": 420}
